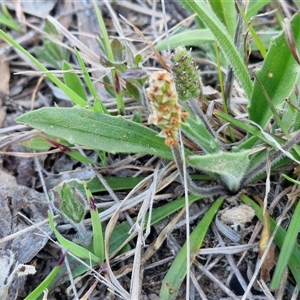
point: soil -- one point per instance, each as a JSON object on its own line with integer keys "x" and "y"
{"x": 27, "y": 175}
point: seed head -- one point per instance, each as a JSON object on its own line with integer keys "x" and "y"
{"x": 166, "y": 112}
{"x": 185, "y": 74}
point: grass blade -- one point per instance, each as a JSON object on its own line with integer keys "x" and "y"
{"x": 75, "y": 249}
{"x": 76, "y": 99}
{"x": 98, "y": 105}
{"x": 225, "y": 41}
{"x": 177, "y": 271}
{"x": 225, "y": 10}
{"x": 98, "y": 240}
{"x": 73, "y": 81}
{"x": 294, "y": 260}
{"x": 277, "y": 78}
{"x": 288, "y": 244}
{"x": 194, "y": 37}
{"x": 35, "y": 294}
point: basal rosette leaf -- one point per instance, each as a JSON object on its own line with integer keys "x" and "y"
{"x": 231, "y": 167}
{"x": 97, "y": 131}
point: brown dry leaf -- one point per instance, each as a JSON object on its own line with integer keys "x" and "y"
{"x": 66, "y": 20}
{"x": 268, "y": 262}
{"x": 157, "y": 54}
{"x": 35, "y": 8}
{"x": 4, "y": 85}
{"x": 5, "y": 75}
{"x": 287, "y": 29}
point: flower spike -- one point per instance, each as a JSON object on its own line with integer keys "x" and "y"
{"x": 166, "y": 111}
{"x": 185, "y": 74}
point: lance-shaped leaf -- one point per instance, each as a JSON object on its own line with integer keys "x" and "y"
{"x": 193, "y": 37}
{"x": 173, "y": 279}
{"x": 231, "y": 167}
{"x": 277, "y": 76}
{"x": 225, "y": 41}
{"x": 96, "y": 131}
{"x": 197, "y": 132}
{"x": 225, "y": 11}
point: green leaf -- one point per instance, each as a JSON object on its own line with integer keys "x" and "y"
{"x": 117, "y": 50}
{"x": 109, "y": 86}
{"x": 42, "y": 55}
{"x": 37, "y": 143}
{"x": 294, "y": 260}
{"x": 73, "y": 96}
{"x": 97, "y": 131}
{"x": 75, "y": 249}
{"x": 194, "y": 37}
{"x": 73, "y": 81}
{"x": 133, "y": 91}
{"x": 225, "y": 41}
{"x": 98, "y": 240}
{"x": 98, "y": 105}
{"x": 291, "y": 116}
{"x": 138, "y": 59}
{"x": 116, "y": 183}
{"x": 8, "y": 21}
{"x": 78, "y": 156}
{"x": 173, "y": 279}
{"x": 255, "y": 6}
{"x": 230, "y": 166}
{"x": 225, "y": 11}
{"x": 287, "y": 248}
{"x": 197, "y": 132}
{"x": 69, "y": 201}
{"x": 37, "y": 292}
{"x": 277, "y": 75}
{"x": 52, "y": 50}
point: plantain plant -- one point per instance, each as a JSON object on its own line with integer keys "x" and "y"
{"x": 176, "y": 99}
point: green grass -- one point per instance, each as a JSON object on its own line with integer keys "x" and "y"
{"x": 265, "y": 135}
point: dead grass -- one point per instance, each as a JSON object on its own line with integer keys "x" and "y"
{"x": 224, "y": 265}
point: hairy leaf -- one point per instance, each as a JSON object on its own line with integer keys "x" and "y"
{"x": 225, "y": 41}
{"x": 225, "y": 10}
{"x": 97, "y": 131}
{"x": 230, "y": 166}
